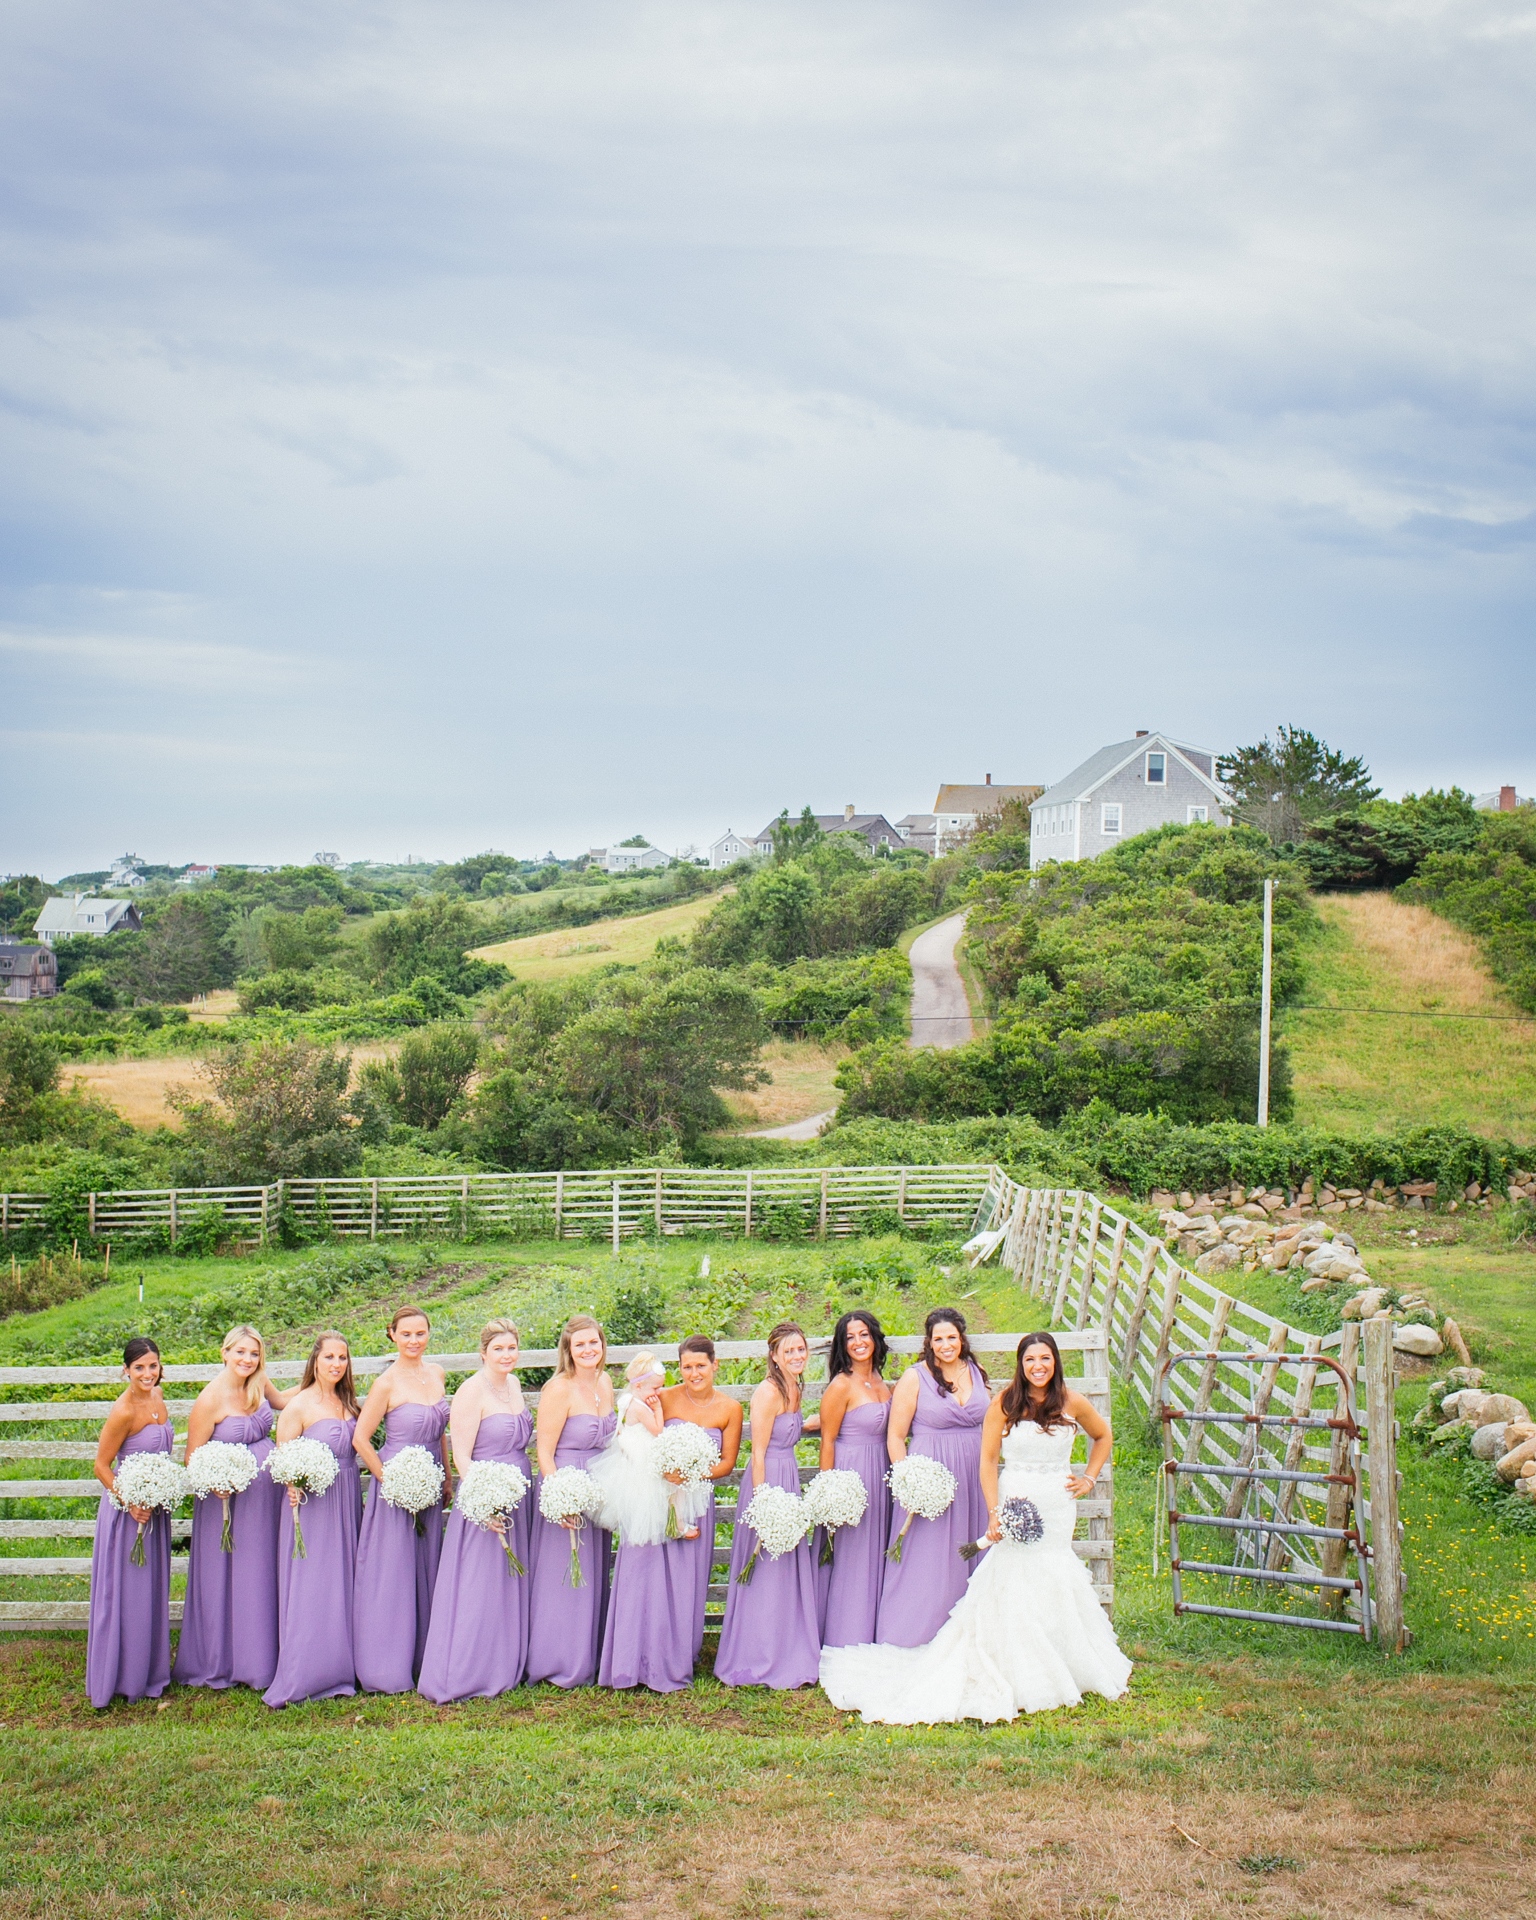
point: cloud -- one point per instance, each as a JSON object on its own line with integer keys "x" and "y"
{"x": 144, "y": 661}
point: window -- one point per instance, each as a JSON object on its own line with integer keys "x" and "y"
{"x": 1199, "y": 815}
{"x": 1157, "y": 769}
{"x": 1110, "y": 817}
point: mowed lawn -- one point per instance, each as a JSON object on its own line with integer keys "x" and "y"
{"x": 1356, "y": 1070}
{"x": 572, "y": 950}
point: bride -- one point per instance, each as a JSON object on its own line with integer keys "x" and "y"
{"x": 1028, "y": 1632}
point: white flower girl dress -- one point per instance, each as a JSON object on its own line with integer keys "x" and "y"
{"x": 635, "y": 1497}
{"x": 1027, "y": 1633}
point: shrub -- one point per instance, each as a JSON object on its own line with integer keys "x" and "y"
{"x": 281, "y": 1112}
{"x": 48, "y": 1281}
{"x": 427, "y": 1079}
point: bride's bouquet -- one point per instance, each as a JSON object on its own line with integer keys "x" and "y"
{"x": 222, "y": 1468}
{"x": 777, "y": 1517}
{"x": 837, "y": 1497}
{"x": 152, "y": 1480}
{"x": 309, "y": 1466}
{"x": 412, "y": 1481}
{"x": 1020, "y": 1521}
{"x": 925, "y": 1487}
{"x": 489, "y": 1494}
{"x": 570, "y": 1493}
{"x": 689, "y": 1452}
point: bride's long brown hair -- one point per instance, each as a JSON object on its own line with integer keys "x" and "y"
{"x": 1051, "y": 1411}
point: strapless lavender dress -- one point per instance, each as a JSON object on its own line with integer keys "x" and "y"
{"x": 396, "y": 1565}
{"x": 314, "y": 1594}
{"x": 699, "y": 1555}
{"x": 921, "y": 1588}
{"x": 565, "y": 1627}
{"x": 850, "y": 1587}
{"x": 771, "y": 1637}
{"x": 477, "y": 1643}
{"x": 128, "y": 1644}
{"x": 653, "y": 1609}
{"x": 229, "y": 1628}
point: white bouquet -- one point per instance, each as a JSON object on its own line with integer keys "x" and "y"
{"x": 570, "y": 1493}
{"x": 689, "y": 1452}
{"x": 925, "y": 1487}
{"x": 223, "y": 1468}
{"x": 837, "y": 1497}
{"x": 489, "y": 1494}
{"x": 148, "y": 1480}
{"x": 308, "y": 1465}
{"x": 412, "y": 1481}
{"x": 777, "y": 1517}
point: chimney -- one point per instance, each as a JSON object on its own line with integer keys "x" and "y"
{"x": 1506, "y": 799}
{"x": 848, "y": 811}
{"x": 989, "y": 779}
{"x": 1141, "y": 733}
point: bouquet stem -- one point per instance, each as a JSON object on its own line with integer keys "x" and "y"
{"x": 744, "y": 1577}
{"x": 227, "y": 1537}
{"x": 299, "y": 1551}
{"x": 971, "y": 1549}
{"x": 136, "y": 1558}
{"x": 674, "y": 1531}
{"x": 829, "y": 1534}
{"x": 515, "y": 1567}
{"x": 574, "y": 1576}
{"x": 421, "y": 1523}
{"x": 893, "y": 1552}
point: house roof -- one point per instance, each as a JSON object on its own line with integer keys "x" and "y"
{"x": 837, "y": 823}
{"x": 64, "y": 913}
{"x": 980, "y": 799}
{"x": 1097, "y": 768}
{"x": 918, "y": 822}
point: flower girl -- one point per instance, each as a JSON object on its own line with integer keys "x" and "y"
{"x": 639, "y": 1503}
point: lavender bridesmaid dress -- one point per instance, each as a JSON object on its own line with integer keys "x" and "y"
{"x": 128, "y": 1648}
{"x": 771, "y": 1637}
{"x": 565, "y": 1626}
{"x": 698, "y": 1555}
{"x": 396, "y": 1565}
{"x": 920, "y": 1589}
{"x": 314, "y": 1595}
{"x": 477, "y": 1643}
{"x": 850, "y": 1587}
{"x": 229, "y": 1628}
{"x": 655, "y": 1611}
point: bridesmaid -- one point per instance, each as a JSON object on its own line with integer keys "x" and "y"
{"x": 698, "y": 1401}
{"x": 648, "y": 1636}
{"x": 771, "y": 1636}
{"x": 576, "y": 1421}
{"x": 396, "y": 1561}
{"x": 477, "y": 1642}
{"x": 854, "y": 1412}
{"x": 940, "y": 1402}
{"x": 314, "y": 1594}
{"x": 229, "y": 1626}
{"x": 128, "y": 1649}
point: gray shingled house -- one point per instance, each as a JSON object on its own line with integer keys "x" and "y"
{"x": 27, "y": 972}
{"x": 1123, "y": 790}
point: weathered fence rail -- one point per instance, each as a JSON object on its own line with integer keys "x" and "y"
{"x": 614, "y": 1204}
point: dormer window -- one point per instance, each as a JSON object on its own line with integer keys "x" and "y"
{"x": 1157, "y": 769}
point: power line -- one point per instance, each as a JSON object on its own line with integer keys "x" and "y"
{"x": 1414, "y": 1013}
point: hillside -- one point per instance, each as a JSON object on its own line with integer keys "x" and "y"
{"x": 1372, "y": 1071}
{"x": 572, "y": 950}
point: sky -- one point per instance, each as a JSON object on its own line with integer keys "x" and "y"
{"x": 427, "y": 428}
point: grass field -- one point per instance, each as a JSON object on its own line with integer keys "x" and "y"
{"x": 1363, "y": 1071}
{"x": 137, "y": 1088}
{"x": 802, "y": 1085}
{"x": 573, "y": 950}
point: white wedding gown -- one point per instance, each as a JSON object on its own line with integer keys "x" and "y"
{"x": 1026, "y": 1634}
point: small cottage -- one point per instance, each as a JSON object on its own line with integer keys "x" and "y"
{"x": 1122, "y": 790}
{"x": 27, "y": 972}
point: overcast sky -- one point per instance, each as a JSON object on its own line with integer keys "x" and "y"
{"x": 447, "y": 426}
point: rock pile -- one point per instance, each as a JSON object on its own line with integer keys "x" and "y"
{"x": 1265, "y": 1203}
{"x": 1326, "y": 1255}
{"x": 1498, "y": 1427}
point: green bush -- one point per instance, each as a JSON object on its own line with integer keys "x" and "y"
{"x": 856, "y": 998}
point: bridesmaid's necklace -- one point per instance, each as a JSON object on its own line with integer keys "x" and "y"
{"x": 504, "y": 1394}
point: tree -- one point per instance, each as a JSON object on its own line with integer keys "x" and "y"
{"x": 791, "y": 838}
{"x": 428, "y": 1077}
{"x": 280, "y": 1112}
{"x": 29, "y": 1072}
{"x": 635, "y": 840}
{"x": 431, "y": 937}
{"x": 21, "y": 901}
{"x": 179, "y": 953}
{"x": 1281, "y": 785}
{"x": 291, "y": 942}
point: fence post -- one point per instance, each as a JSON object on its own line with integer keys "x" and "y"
{"x": 1165, "y": 1330}
{"x": 264, "y": 1193}
{"x": 1064, "y": 1273}
{"x": 615, "y": 1216}
{"x": 1048, "y": 1267}
{"x": 821, "y": 1227}
{"x": 559, "y": 1206}
{"x": 173, "y": 1216}
{"x": 658, "y": 1203}
{"x": 1112, "y": 1286}
{"x": 464, "y": 1209}
{"x": 1381, "y": 1440}
{"x": 90, "y": 1226}
{"x": 748, "y": 1215}
{"x": 1340, "y": 1498}
{"x": 373, "y": 1210}
{"x": 5, "y": 1214}
{"x": 1085, "y": 1298}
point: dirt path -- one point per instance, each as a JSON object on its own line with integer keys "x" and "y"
{"x": 941, "y": 1014}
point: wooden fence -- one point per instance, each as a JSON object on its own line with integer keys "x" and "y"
{"x": 1088, "y": 1265}
{"x": 614, "y": 1204}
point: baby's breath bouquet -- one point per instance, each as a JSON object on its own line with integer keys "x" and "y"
{"x": 412, "y": 1481}
{"x": 837, "y": 1497}
{"x": 686, "y": 1450}
{"x": 489, "y": 1494}
{"x": 152, "y": 1480}
{"x": 777, "y": 1517}
{"x": 308, "y": 1465}
{"x": 571, "y": 1493}
{"x": 222, "y": 1468}
{"x": 925, "y": 1487}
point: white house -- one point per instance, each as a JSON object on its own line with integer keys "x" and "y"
{"x": 731, "y": 847}
{"x": 125, "y": 872}
{"x": 63, "y": 917}
{"x": 958, "y": 807}
{"x": 632, "y": 859}
{"x": 1129, "y": 788}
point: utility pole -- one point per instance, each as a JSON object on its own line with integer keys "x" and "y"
{"x": 1264, "y": 999}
